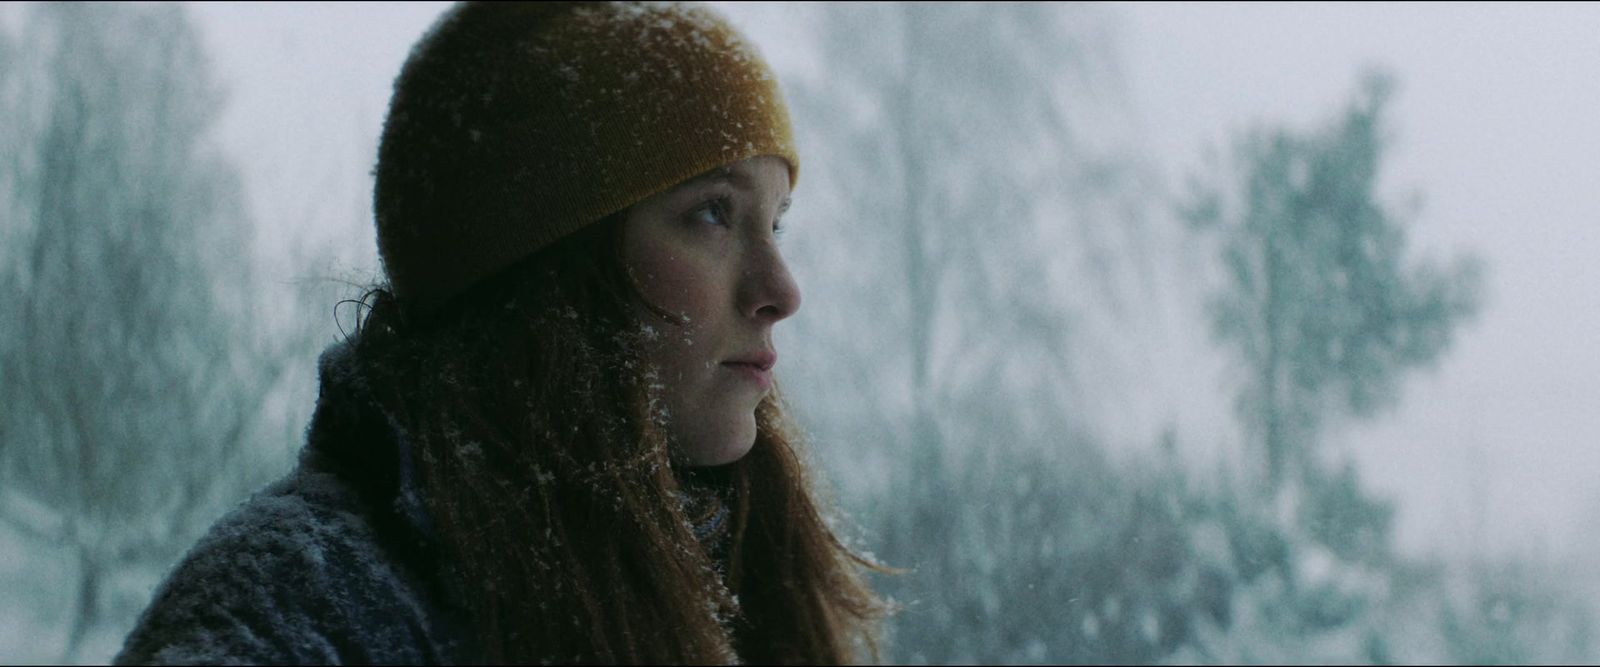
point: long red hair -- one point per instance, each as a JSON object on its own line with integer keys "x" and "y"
{"x": 560, "y": 504}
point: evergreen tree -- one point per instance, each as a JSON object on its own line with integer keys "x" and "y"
{"x": 1321, "y": 303}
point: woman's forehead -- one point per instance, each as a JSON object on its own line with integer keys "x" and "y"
{"x": 745, "y": 174}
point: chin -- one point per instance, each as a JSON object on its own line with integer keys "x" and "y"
{"x": 726, "y": 445}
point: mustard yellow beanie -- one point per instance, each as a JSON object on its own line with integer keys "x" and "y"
{"x": 514, "y": 124}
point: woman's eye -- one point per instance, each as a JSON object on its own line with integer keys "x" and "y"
{"x": 714, "y": 212}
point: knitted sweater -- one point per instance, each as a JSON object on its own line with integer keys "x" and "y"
{"x": 335, "y": 563}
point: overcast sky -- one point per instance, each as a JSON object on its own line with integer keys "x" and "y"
{"x": 1495, "y": 125}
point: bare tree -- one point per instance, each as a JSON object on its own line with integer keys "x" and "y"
{"x": 131, "y": 372}
{"x": 975, "y": 187}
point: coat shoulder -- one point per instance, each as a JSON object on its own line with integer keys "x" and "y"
{"x": 295, "y": 575}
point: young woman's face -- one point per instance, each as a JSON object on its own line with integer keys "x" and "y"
{"x": 706, "y": 251}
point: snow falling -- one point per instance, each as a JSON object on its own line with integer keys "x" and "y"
{"x": 1134, "y": 333}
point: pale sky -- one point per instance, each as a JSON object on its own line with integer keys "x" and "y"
{"x": 1495, "y": 124}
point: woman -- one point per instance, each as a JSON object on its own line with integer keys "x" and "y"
{"x": 555, "y": 435}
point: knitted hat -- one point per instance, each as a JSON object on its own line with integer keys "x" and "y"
{"x": 515, "y": 124}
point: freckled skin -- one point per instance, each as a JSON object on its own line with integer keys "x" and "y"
{"x": 720, "y": 267}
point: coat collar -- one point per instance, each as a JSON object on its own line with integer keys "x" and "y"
{"x": 353, "y": 438}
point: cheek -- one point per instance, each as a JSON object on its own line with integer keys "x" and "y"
{"x": 678, "y": 284}
{"x": 694, "y": 395}
{"x": 680, "y": 351}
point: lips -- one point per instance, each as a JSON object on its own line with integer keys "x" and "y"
{"x": 755, "y": 367}
{"x": 763, "y": 360}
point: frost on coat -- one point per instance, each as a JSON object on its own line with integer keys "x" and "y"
{"x": 332, "y": 564}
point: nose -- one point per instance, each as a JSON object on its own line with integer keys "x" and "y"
{"x": 767, "y": 292}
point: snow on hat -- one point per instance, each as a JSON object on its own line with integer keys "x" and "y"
{"x": 515, "y": 124}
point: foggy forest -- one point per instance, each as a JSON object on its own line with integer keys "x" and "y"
{"x": 1098, "y": 393}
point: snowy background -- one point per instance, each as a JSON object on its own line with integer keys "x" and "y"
{"x": 1033, "y": 375}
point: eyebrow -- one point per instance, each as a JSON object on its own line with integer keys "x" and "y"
{"x": 726, "y": 174}
{"x": 722, "y": 174}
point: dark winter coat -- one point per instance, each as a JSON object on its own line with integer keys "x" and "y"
{"x": 335, "y": 563}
